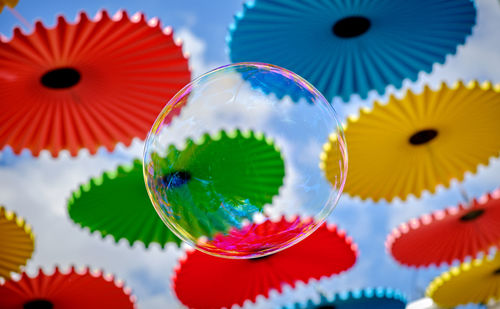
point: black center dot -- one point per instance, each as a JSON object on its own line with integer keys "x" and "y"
{"x": 176, "y": 179}
{"x": 60, "y": 78}
{"x": 497, "y": 271}
{"x": 423, "y": 137}
{"x": 38, "y": 304}
{"x": 472, "y": 215}
{"x": 350, "y": 27}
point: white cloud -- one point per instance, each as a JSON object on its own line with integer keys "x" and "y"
{"x": 195, "y": 47}
{"x": 37, "y": 189}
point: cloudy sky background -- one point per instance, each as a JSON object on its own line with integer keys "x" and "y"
{"x": 38, "y": 188}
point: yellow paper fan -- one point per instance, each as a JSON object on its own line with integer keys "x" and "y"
{"x": 472, "y": 282}
{"x": 9, "y": 3}
{"x": 416, "y": 143}
{"x": 16, "y": 242}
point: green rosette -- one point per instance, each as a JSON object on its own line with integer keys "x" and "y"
{"x": 216, "y": 182}
{"x": 117, "y": 204}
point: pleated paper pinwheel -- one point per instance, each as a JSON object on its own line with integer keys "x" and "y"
{"x": 16, "y": 242}
{"x": 476, "y": 282}
{"x": 344, "y": 47}
{"x": 377, "y": 298}
{"x": 200, "y": 278}
{"x": 89, "y": 84}
{"x": 117, "y": 204}
{"x": 416, "y": 143}
{"x": 214, "y": 183}
{"x": 72, "y": 290}
{"x": 9, "y": 3}
{"x": 448, "y": 235}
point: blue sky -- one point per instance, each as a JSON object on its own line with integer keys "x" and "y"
{"x": 38, "y": 188}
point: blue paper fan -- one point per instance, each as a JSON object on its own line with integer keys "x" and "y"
{"x": 281, "y": 83}
{"x": 373, "y": 298}
{"x": 344, "y": 47}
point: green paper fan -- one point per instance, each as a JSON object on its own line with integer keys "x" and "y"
{"x": 117, "y": 204}
{"x": 215, "y": 183}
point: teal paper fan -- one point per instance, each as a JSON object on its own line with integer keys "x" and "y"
{"x": 373, "y": 298}
{"x": 346, "y": 47}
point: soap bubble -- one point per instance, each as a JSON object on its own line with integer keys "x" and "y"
{"x": 240, "y": 147}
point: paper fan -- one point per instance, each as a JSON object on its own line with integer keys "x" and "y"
{"x": 16, "y": 242}
{"x": 269, "y": 79}
{"x": 117, "y": 204}
{"x": 376, "y": 298}
{"x": 254, "y": 239}
{"x": 419, "y": 142}
{"x": 214, "y": 183}
{"x": 205, "y": 281}
{"x": 448, "y": 235}
{"x": 88, "y": 84}
{"x": 72, "y": 290}
{"x": 472, "y": 282}
{"x": 9, "y": 3}
{"x": 344, "y": 47}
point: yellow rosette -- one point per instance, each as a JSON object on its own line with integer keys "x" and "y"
{"x": 472, "y": 282}
{"x": 416, "y": 143}
{"x": 9, "y": 3}
{"x": 16, "y": 242}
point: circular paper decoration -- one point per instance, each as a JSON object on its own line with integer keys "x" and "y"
{"x": 72, "y": 290}
{"x": 88, "y": 84}
{"x": 200, "y": 278}
{"x": 472, "y": 282}
{"x": 117, "y": 204}
{"x": 448, "y": 235}
{"x": 16, "y": 242}
{"x": 419, "y": 142}
{"x": 343, "y": 47}
{"x": 9, "y": 3}
{"x": 213, "y": 171}
{"x": 376, "y": 298}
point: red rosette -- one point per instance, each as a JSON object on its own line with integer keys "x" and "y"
{"x": 96, "y": 82}
{"x": 205, "y": 281}
{"x": 248, "y": 241}
{"x": 72, "y": 290}
{"x": 445, "y": 236}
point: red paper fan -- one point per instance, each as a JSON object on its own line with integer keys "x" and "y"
{"x": 205, "y": 281}
{"x": 448, "y": 235}
{"x": 72, "y": 290}
{"x": 88, "y": 84}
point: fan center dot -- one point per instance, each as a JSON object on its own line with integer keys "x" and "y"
{"x": 38, "y": 304}
{"x": 176, "y": 179}
{"x": 60, "y": 78}
{"x": 423, "y": 137}
{"x": 497, "y": 271}
{"x": 350, "y": 27}
{"x": 472, "y": 215}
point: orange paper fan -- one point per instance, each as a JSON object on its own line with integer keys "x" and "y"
{"x": 88, "y": 84}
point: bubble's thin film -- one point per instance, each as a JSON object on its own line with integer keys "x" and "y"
{"x": 227, "y": 154}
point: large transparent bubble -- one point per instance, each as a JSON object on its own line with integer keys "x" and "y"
{"x": 232, "y": 164}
